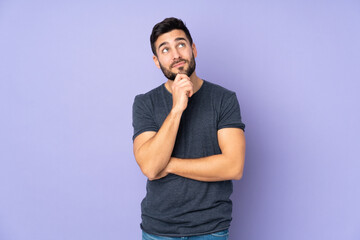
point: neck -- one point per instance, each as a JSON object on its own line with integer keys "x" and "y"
{"x": 197, "y": 82}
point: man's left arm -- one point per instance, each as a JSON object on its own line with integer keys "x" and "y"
{"x": 228, "y": 165}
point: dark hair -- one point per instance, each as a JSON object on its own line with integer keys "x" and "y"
{"x": 167, "y": 25}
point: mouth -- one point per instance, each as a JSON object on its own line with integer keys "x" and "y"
{"x": 179, "y": 64}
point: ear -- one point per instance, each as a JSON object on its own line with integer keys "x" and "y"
{"x": 156, "y": 61}
{"x": 194, "y": 50}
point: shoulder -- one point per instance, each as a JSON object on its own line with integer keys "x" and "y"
{"x": 218, "y": 91}
{"x": 148, "y": 96}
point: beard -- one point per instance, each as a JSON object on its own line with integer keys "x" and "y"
{"x": 171, "y": 75}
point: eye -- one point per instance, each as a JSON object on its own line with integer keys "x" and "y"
{"x": 181, "y": 45}
{"x": 165, "y": 50}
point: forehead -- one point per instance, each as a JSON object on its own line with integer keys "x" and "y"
{"x": 170, "y": 37}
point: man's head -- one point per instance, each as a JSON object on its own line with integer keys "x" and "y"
{"x": 173, "y": 48}
{"x": 167, "y": 25}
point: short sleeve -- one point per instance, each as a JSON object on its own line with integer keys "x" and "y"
{"x": 230, "y": 116}
{"x": 142, "y": 117}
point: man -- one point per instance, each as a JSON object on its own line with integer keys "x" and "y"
{"x": 189, "y": 142}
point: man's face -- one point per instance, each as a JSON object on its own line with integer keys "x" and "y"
{"x": 174, "y": 54}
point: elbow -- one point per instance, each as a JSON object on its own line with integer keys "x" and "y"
{"x": 237, "y": 172}
{"x": 234, "y": 174}
{"x": 146, "y": 168}
{"x": 151, "y": 177}
{"x": 149, "y": 173}
{"x": 237, "y": 176}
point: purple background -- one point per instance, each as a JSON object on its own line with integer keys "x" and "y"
{"x": 69, "y": 71}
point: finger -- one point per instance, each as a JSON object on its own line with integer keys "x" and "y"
{"x": 185, "y": 83}
{"x": 181, "y": 84}
{"x": 181, "y": 76}
{"x": 178, "y": 77}
{"x": 189, "y": 91}
{"x": 185, "y": 86}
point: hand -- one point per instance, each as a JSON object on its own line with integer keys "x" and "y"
{"x": 182, "y": 88}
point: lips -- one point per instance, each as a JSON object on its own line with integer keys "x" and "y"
{"x": 179, "y": 64}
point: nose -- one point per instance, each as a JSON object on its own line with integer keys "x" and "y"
{"x": 176, "y": 54}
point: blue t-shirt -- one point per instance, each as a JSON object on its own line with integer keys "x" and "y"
{"x": 176, "y": 206}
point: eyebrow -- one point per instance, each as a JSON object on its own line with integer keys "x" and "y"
{"x": 176, "y": 40}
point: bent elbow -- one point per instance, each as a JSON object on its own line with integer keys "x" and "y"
{"x": 147, "y": 170}
{"x": 237, "y": 173}
{"x": 150, "y": 174}
{"x": 234, "y": 175}
{"x": 151, "y": 177}
{"x": 238, "y": 176}
{"x": 238, "y": 169}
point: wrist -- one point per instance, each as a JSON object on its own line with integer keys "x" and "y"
{"x": 170, "y": 168}
{"x": 176, "y": 112}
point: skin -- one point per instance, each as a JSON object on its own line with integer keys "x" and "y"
{"x": 153, "y": 150}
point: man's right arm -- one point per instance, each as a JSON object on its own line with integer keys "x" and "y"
{"x": 153, "y": 150}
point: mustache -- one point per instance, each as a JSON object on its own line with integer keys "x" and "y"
{"x": 177, "y": 61}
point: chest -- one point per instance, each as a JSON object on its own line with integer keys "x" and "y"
{"x": 197, "y": 134}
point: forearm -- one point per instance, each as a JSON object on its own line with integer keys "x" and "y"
{"x": 213, "y": 168}
{"x": 154, "y": 155}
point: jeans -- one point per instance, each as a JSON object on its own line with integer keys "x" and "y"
{"x": 222, "y": 235}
